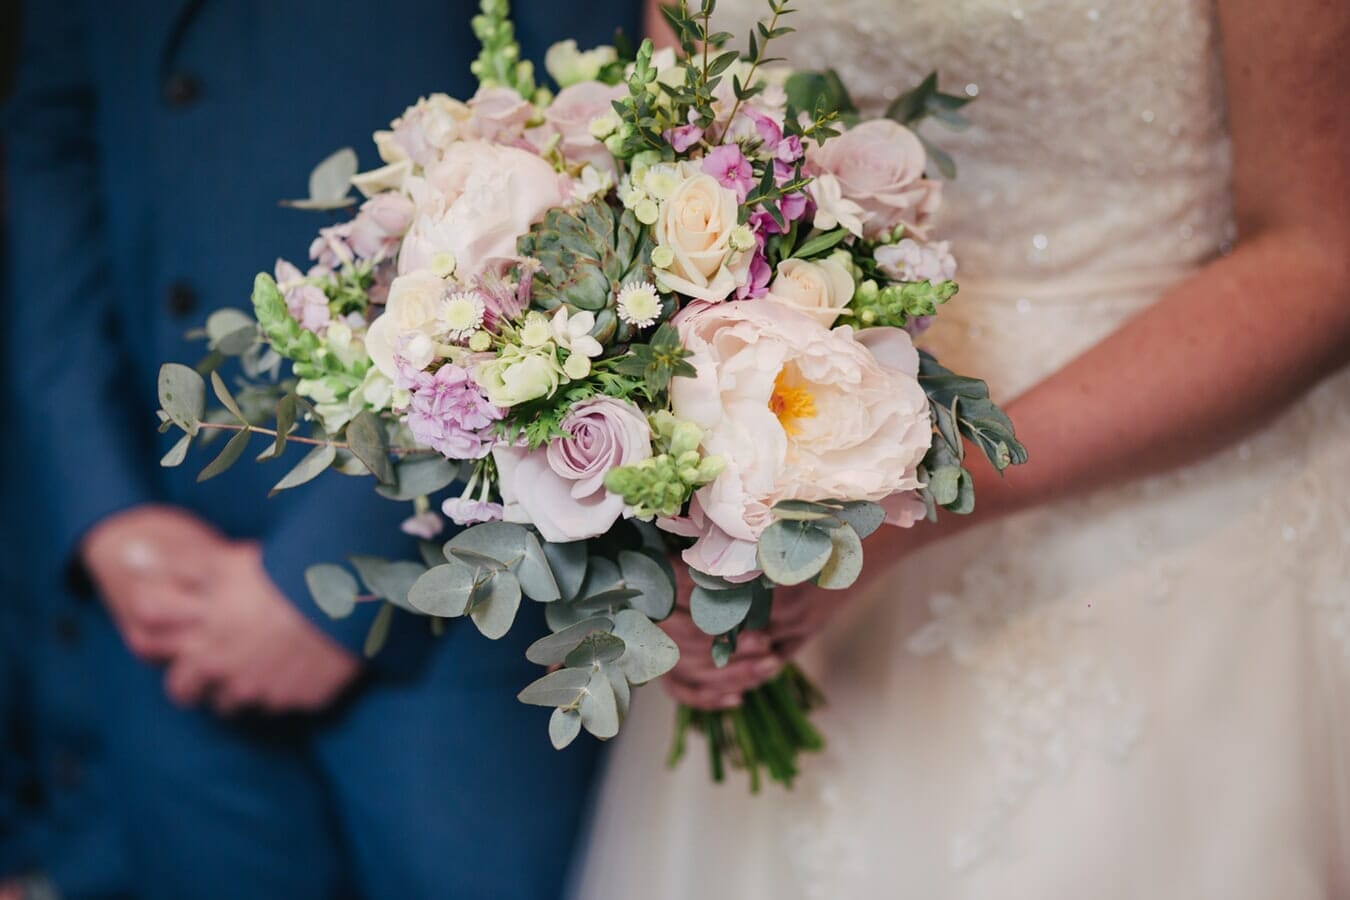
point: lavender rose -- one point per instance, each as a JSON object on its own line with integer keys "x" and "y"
{"x": 560, "y": 489}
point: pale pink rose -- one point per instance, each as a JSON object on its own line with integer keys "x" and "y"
{"x": 379, "y": 225}
{"x": 796, "y": 411}
{"x": 879, "y": 166}
{"x": 570, "y": 115}
{"x": 490, "y": 196}
{"x": 560, "y": 489}
{"x": 500, "y": 114}
{"x": 427, "y": 129}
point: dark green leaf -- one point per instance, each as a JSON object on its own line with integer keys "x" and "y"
{"x": 379, "y": 630}
{"x": 367, "y": 440}
{"x": 310, "y": 467}
{"x": 820, "y": 243}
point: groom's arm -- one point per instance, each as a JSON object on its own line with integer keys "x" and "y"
{"x": 66, "y": 390}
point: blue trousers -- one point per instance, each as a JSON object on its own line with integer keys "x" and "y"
{"x": 442, "y": 786}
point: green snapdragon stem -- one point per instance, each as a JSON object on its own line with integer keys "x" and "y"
{"x": 765, "y": 734}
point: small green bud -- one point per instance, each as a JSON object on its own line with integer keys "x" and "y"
{"x": 663, "y": 257}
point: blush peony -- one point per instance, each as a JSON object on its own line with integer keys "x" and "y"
{"x": 796, "y": 411}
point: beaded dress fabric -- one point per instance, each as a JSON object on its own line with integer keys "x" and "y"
{"x": 1141, "y": 693}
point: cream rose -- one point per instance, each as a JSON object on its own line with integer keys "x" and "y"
{"x": 696, "y": 223}
{"x": 412, "y": 310}
{"x": 796, "y": 411}
{"x": 821, "y": 288}
{"x": 878, "y": 166}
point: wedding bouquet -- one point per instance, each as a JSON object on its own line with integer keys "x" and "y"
{"x": 666, "y": 309}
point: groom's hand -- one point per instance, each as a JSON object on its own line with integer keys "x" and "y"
{"x": 252, "y": 648}
{"x": 147, "y": 564}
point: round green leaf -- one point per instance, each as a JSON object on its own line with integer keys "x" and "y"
{"x": 846, "y": 560}
{"x": 649, "y": 652}
{"x": 568, "y": 563}
{"x": 418, "y": 476}
{"x": 717, "y": 612}
{"x": 182, "y": 395}
{"x": 390, "y": 579}
{"x": 642, "y": 573}
{"x": 596, "y": 647}
{"x": 563, "y": 727}
{"x": 599, "y": 709}
{"x": 552, "y": 649}
{"x": 443, "y": 590}
{"x": 333, "y": 588}
{"x": 494, "y": 604}
{"x": 793, "y": 552}
{"x": 864, "y": 517}
{"x": 563, "y": 687}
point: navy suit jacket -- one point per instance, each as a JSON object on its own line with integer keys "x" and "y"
{"x": 147, "y": 145}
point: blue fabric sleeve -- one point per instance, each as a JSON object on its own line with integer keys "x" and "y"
{"x": 66, "y": 390}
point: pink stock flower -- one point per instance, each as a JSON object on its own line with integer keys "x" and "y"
{"x": 468, "y": 511}
{"x": 757, "y": 284}
{"x": 728, "y": 165}
{"x": 683, "y": 137}
{"x": 306, "y": 302}
{"x": 425, "y": 525}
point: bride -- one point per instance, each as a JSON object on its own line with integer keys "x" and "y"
{"x": 1131, "y": 677}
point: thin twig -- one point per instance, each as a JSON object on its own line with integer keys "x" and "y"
{"x": 339, "y": 445}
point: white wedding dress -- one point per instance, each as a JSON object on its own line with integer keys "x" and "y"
{"x": 1144, "y": 693}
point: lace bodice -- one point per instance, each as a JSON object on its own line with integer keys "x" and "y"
{"x": 1097, "y": 143}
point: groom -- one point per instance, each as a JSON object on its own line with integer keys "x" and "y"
{"x": 253, "y": 753}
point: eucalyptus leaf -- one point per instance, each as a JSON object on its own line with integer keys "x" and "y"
{"x": 333, "y": 588}
{"x": 431, "y": 553}
{"x": 649, "y": 652}
{"x": 642, "y": 573}
{"x": 709, "y": 582}
{"x": 599, "y": 710}
{"x": 226, "y": 398}
{"x": 563, "y": 687}
{"x": 717, "y": 612}
{"x": 623, "y": 691}
{"x": 722, "y": 648}
{"x": 379, "y": 630}
{"x": 418, "y": 476}
{"x": 443, "y": 590}
{"x": 229, "y": 455}
{"x": 502, "y": 541}
{"x": 182, "y": 395}
{"x": 596, "y": 648}
{"x": 802, "y": 511}
{"x": 563, "y": 727}
{"x": 177, "y": 453}
{"x": 390, "y": 579}
{"x": 568, "y": 563}
{"x": 534, "y": 573}
{"x": 846, "y": 561}
{"x": 793, "y": 552}
{"x": 311, "y": 466}
{"x": 226, "y": 328}
{"x": 945, "y": 484}
{"x": 369, "y": 443}
{"x": 494, "y": 605}
{"x": 285, "y": 422}
{"x": 329, "y": 182}
{"x": 552, "y": 649}
{"x": 863, "y": 516}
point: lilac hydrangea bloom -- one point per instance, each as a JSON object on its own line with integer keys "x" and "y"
{"x": 448, "y": 411}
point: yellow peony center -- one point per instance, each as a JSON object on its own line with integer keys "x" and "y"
{"x": 790, "y": 403}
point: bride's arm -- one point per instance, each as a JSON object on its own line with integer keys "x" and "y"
{"x": 1230, "y": 347}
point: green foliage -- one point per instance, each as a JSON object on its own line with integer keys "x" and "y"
{"x": 311, "y": 466}
{"x": 896, "y": 304}
{"x": 585, "y": 256}
{"x": 499, "y": 63}
{"x": 925, "y": 101}
{"x": 329, "y": 182}
{"x": 657, "y": 361}
{"x": 418, "y": 476}
{"x": 333, "y": 588}
{"x": 821, "y": 95}
{"x": 368, "y": 441}
{"x": 182, "y": 396}
{"x": 720, "y": 611}
{"x": 283, "y": 332}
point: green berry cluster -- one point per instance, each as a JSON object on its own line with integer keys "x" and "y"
{"x": 659, "y": 486}
{"x": 896, "y": 304}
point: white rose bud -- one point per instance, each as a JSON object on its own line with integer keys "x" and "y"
{"x": 821, "y": 288}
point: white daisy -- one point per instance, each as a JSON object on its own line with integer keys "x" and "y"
{"x": 639, "y": 304}
{"x": 462, "y": 315}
